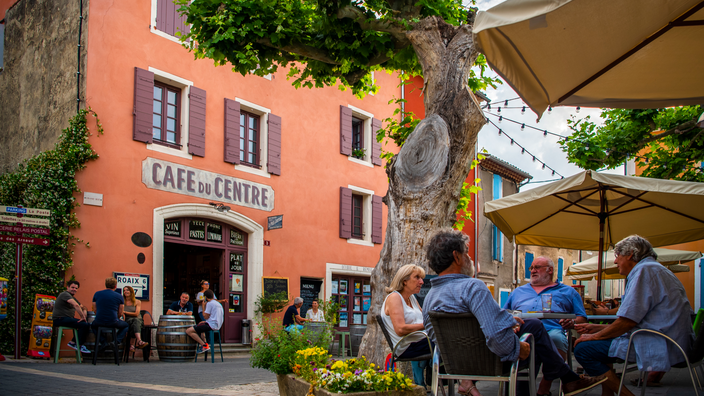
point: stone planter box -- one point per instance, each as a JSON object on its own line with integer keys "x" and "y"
{"x": 291, "y": 385}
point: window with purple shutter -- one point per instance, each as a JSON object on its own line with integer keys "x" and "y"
{"x": 357, "y": 137}
{"x": 345, "y": 213}
{"x": 196, "y": 122}
{"x": 345, "y": 130}
{"x": 166, "y": 123}
{"x": 376, "y": 146}
{"x": 376, "y": 219}
{"x": 168, "y": 20}
{"x": 232, "y": 131}
{"x": 249, "y": 139}
{"x": 143, "y": 105}
{"x": 357, "y": 216}
{"x": 274, "y": 145}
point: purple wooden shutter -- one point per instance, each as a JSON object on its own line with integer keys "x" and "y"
{"x": 345, "y": 213}
{"x": 168, "y": 20}
{"x": 376, "y": 146}
{"x": 161, "y": 16}
{"x": 181, "y": 24}
{"x": 143, "y": 105}
{"x": 376, "y": 219}
{"x": 232, "y": 131}
{"x": 274, "y": 145}
{"x": 196, "y": 122}
{"x": 345, "y": 130}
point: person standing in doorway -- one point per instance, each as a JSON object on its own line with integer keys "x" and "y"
{"x": 201, "y": 301}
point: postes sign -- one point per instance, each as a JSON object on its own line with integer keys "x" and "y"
{"x": 180, "y": 179}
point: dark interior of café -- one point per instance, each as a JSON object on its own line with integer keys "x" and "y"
{"x": 185, "y": 266}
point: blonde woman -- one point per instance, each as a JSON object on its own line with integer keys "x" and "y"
{"x": 133, "y": 317}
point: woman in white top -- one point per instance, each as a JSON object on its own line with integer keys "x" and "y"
{"x": 402, "y": 314}
{"x": 314, "y": 314}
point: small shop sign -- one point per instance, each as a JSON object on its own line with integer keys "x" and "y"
{"x": 139, "y": 282}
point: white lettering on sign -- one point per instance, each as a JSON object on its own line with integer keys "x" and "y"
{"x": 195, "y": 234}
{"x": 180, "y": 179}
{"x": 139, "y": 282}
{"x": 93, "y": 199}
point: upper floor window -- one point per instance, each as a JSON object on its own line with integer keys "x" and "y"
{"x": 357, "y": 138}
{"x": 357, "y": 216}
{"x": 166, "y": 20}
{"x": 360, "y": 216}
{"x": 166, "y": 120}
{"x": 249, "y": 139}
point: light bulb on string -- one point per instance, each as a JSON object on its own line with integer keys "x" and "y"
{"x": 549, "y": 109}
{"x": 553, "y": 173}
{"x": 607, "y": 151}
{"x": 511, "y": 142}
{"x": 578, "y": 109}
{"x": 523, "y": 111}
{"x": 543, "y": 166}
{"x": 498, "y": 109}
{"x": 506, "y": 102}
{"x": 501, "y": 118}
{"x": 523, "y": 127}
{"x": 488, "y": 106}
{"x": 500, "y": 131}
{"x": 533, "y": 158}
{"x": 545, "y": 133}
{"x": 523, "y": 150}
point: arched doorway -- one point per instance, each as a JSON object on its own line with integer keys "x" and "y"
{"x": 233, "y": 246}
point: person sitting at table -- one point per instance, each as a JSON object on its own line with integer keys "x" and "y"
{"x": 402, "y": 315}
{"x": 456, "y": 291}
{"x": 133, "y": 317}
{"x": 653, "y": 299}
{"x": 314, "y": 314}
{"x": 292, "y": 318}
{"x": 182, "y": 306}
{"x": 565, "y": 299}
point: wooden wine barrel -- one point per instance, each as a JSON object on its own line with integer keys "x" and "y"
{"x": 172, "y": 342}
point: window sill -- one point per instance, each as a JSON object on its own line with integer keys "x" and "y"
{"x": 165, "y": 35}
{"x": 168, "y": 150}
{"x": 253, "y": 171}
{"x": 360, "y": 242}
{"x": 361, "y": 162}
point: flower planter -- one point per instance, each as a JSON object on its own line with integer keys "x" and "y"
{"x": 291, "y": 385}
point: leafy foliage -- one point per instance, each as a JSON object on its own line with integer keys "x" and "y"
{"x": 45, "y": 181}
{"x": 666, "y": 142}
{"x": 271, "y": 303}
{"x": 463, "y": 212}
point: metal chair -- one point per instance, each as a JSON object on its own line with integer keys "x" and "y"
{"x": 211, "y": 338}
{"x": 462, "y": 345}
{"x": 146, "y": 330}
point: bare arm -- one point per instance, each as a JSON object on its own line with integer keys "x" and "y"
{"x": 615, "y": 329}
{"x": 121, "y": 310}
{"x": 94, "y": 310}
{"x": 138, "y": 307}
{"x": 79, "y": 308}
{"x": 394, "y": 308}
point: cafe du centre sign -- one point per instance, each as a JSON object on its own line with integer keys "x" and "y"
{"x": 180, "y": 179}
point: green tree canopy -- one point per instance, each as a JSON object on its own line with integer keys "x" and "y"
{"x": 325, "y": 42}
{"x": 666, "y": 143}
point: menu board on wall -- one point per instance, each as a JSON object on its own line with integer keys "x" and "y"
{"x": 310, "y": 290}
{"x": 272, "y": 285}
{"x": 236, "y": 262}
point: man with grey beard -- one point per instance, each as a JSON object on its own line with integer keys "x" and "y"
{"x": 564, "y": 300}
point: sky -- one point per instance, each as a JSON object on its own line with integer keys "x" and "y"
{"x": 544, "y": 148}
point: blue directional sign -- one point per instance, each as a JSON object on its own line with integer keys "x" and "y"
{"x": 28, "y": 211}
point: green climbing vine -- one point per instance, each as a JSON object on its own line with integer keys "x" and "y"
{"x": 45, "y": 181}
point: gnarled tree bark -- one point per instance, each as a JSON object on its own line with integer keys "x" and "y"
{"x": 432, "y": 164}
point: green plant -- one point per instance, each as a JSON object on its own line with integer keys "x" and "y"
{"x": 268, "y": 303}
{"x": 359, "y": 153}
{"x": 45, "y": 181}
{"x": 463, "y": 213}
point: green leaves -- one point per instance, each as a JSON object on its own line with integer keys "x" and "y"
{"x": 665, "y": 142}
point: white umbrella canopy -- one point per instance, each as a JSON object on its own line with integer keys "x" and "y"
{"x": 593, "y": 211}
{"x": 586, "y": 270}
{"x": 597, "y": 53}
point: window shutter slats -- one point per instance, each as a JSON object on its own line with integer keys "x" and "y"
{"x": 376, "y": 219}
{"x": 345, "y": 213}
{"x": 170, "y": 17}
{"x": 376, "y": 146}
{"x": 232, "y": 131}
{"x": 196, "y": 122}
{"x": 345, "y": 130}
{"x": 274, "y": 145}
{"x": 161, "y": 15}
{"x": 143, "y": 105}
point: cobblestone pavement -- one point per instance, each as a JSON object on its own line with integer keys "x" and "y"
{"x": 233, "y": 377}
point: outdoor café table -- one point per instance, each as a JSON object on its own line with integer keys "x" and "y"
{"x": 601, "y": 319}
{"x": 554, "y": 315}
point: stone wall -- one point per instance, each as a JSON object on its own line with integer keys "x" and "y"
{"x": 38, "y": 82}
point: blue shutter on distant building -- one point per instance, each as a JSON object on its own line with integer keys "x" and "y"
{"x": 503, "y": 297}
{"x": 529, "y": 262}
{"x": 497, "y": 240}
{"x": 560, "y": 267}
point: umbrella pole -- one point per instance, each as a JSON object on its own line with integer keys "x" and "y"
{"x": 600, "y": 263}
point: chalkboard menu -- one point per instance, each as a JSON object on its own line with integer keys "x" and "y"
{"x": 172, "y": 228}
{"x": 310, "y": 289}
{"x": 236, "y": 262}
{"x": 274, "y": 285}
{"x": 196, "y": 230}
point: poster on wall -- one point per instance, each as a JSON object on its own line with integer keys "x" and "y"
{"x": 364, "y": 318}
{"x": 366, "y": 303}
{"x": 343, "y": 286}
{"x": 343, "y": 302}
{"x": 343, "y": 319}
{"x": 357, "y": 304}
{"x": 357, "y": 319}
{"x": 367, "y": 289}
{"x": 357, "y": 287}
{"x": 236, "y": 282}
{"x": 334, "y": 287}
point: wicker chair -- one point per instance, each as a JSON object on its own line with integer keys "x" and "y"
{"x": 462, "y": 345}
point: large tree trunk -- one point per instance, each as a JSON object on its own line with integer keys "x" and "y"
{"x": 426, "y": 177}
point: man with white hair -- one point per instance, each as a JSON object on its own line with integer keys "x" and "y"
{"x": 292, "y": 317}
{"x": 564, "y": 300}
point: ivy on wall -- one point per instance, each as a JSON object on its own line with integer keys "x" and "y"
{"x": 45, "y": 181}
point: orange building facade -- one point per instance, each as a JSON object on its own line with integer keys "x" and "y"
{"x": 233, "y": 179}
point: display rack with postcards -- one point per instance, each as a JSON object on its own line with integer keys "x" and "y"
{"x": 354, "y": 296}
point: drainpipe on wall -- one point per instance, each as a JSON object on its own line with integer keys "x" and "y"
{"x": 78, "y": 72}
{"x": 476, "y": 214}
{"x": 403, "y": 97}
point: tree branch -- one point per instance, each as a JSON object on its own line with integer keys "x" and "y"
{"x": 301, "y": 49}
{"x": 393, "y": 27}
{"x": 679, "y": 129}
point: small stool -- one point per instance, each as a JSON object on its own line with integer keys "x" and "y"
{"x": 59, "y": 335}
{"x": 211, "y": 339}
{"x": 116, "y": 347}
{"x": 343, "y": 335}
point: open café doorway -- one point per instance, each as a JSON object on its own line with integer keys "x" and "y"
{"x": 185, "y": 266}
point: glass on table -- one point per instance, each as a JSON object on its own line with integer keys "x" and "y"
{"x": 547, "y": 302}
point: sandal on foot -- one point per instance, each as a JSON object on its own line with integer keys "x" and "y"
{"x": 142, "y": 345}
{"x": 132, "y": 348}
{"x": 467, "y": 392}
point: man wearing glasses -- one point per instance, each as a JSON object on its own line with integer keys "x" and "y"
{"x": 564, "y": 300}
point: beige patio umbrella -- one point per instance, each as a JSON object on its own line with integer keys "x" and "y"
{"x": 597, "y": 53}
{"x": 593, "y": 211}
{"x": 586, "y": 270}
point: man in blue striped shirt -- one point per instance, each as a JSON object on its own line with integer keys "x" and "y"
{"x": 455, "y": 291}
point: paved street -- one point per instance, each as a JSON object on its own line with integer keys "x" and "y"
{"x": 232, "y": 377}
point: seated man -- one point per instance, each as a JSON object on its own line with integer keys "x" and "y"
{"x": 564, "y": 299}
{"x": 64, "y": 314}
{"x": 182, "y": 306}
{"x": 654, "y": 299}
{"x": 292, "y": 320}
{"x": 455, "y": 291}
{"x": 109, "y": 306}
{"x": 213, "y": 315}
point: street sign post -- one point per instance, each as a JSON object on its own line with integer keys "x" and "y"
{"x": 21, "y": 240}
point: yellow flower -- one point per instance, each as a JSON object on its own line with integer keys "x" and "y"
{"x": 372, "y": 365}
